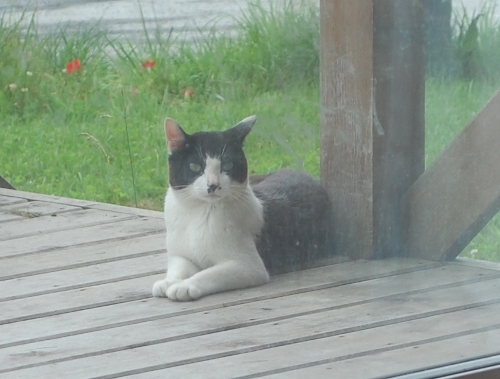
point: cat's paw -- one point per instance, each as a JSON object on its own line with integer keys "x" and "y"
{"x": 183, "y": 291}
{"x": 161, "y": 286}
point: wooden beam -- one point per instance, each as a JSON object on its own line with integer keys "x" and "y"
{"x": 372, "y": 117}
{"x": 5, "y": 184}
{"x": 455, "y": 197}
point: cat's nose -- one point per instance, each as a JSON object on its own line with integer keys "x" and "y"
{"x": 212, "y": 188}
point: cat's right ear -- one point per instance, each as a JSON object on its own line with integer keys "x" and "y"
{"x": 242, "y": 128}
{"x": 176, "y": 137}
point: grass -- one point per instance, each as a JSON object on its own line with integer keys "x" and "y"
{"x": 78, "y": 134}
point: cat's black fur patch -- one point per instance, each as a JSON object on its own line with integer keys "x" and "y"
{"x": 297, "y": 218}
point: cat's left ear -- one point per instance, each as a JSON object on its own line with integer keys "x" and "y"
{"x": 176, "y": 137}
{"x": 242, "y": 128}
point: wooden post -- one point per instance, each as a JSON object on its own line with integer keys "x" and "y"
{"x": 372, "y": 117}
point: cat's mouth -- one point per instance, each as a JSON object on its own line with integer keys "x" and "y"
{"x": 214, "y": 195}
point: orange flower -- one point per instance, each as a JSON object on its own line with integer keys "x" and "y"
{"x": 187, "y": 93}
{"x": 134, "y": 91}
{"x": 148, "y": 65}
{"x": 73, "y": 66}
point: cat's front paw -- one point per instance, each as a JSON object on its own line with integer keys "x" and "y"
{"x": 161, "y": 286}
{"x": 183, "y": 291}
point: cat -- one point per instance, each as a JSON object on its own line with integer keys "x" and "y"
{"x": 227, "y": 231}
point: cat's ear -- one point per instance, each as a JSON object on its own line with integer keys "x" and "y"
{"x": 176, "y": 137}
{"x": 242, "y": 128}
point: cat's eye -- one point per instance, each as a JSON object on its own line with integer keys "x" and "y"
{"x": 227, "y": 166}
{"x": 195, "y": 167}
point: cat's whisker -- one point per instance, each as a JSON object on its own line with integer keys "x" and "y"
{"x": 240, "y": 197}
{"x": 224, "y": 150}
{"x": 202, "y": 156}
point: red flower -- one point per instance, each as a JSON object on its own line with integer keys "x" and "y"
{"x": 187, "y": 93}
{"x": 73, "y": 66}
{"x": 148, "y": 65}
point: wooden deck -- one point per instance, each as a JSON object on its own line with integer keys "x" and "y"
{"x": 75, "y": 282}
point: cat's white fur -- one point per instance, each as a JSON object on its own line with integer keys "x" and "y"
{"x": 212, "y": 176}
{"x": 211, "y": 237}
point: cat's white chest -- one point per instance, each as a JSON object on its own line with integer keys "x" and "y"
{"x": 209, "y": 233}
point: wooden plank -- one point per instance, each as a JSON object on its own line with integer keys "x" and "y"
{"x": 75, "y": 300}
{"x": 80, "y": 277}
{"x": 403, "y": 358}
{"x": 275, "y": 303}
{"x": 455, "y": 197}
{"x": 71, "y": 258}
{"x": 372, "y": 117}
{"x": 364, "y": 327}
{"x": 62, "y": 303}
{"x": 7, "y": 200}
{"x": 237, "y": 316}
{"x": 33, "y": 209}
{"x": 478, "y": 263}
{"x": 21, "y": 195}
{"x": 249, "y": 363}
{"x": 70, "y": 221}
{"x": 81, "y": 237}
{"x": 79, "y": 203}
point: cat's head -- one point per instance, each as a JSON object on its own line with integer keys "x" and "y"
{"x": 207, "y": 165}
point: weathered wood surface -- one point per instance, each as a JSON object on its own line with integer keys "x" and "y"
{"x": 346, "y": 121}
{"x": 32, "y": 209}
{"x": 455, "y": 197}
{"x": 398, "y": 115}
{"x": 372, "y": 118}
{"x": 82, "y": 308}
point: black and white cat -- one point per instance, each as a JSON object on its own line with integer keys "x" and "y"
{"x": 227, "y": 231}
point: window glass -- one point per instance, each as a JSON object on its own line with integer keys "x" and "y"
{"x": 351, "y": 143}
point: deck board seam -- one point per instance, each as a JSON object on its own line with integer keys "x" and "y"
{"x": 311, "y": 337}
{"x": 369, "y": 352}
{"x": 86, "y": 244}
{"x": 72, "y": 309}
{"x": 71, "y": 227}
{"x": 87, "y": 204}
{"x": 250, "y": 323}
{"x": 20, "y": 201}
{"x": 476, "y": 263}
{"x": 81, "y": 265}
{"x": 81, "y": 286}
{"x": 231, "y": 303}
{"x": 39, "y": 214}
